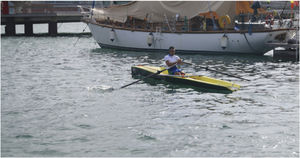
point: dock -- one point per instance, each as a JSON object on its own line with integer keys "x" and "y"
{"x": 10, "y": 22}
{"x": 29, "y": 13}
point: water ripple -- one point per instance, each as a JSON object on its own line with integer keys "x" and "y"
{"x": 60, "y": 100}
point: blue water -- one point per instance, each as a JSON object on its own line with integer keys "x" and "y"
{"x": 58, "y": 99}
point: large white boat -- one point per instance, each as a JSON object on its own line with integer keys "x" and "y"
{"x": 157, "y": 25}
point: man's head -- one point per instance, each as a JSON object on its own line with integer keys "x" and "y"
{"x": 171, "y": 50}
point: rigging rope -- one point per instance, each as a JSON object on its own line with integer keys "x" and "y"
{"x": 248, "y": 42}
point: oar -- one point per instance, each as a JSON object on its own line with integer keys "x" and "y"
{"x": 158, "y": 72}
{"x": 206, "y": 68}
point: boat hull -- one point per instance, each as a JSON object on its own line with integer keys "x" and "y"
{"x": 190, "y": 42}
{"x": 202, "y": 82}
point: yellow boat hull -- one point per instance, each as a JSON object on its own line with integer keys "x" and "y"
{"x": 191, "y": 80}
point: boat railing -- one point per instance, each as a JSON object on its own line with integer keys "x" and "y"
{"x": 180, "y": 26}
{"x": 166, "y": 26}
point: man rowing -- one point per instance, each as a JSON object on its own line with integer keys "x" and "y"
{"x": 172, "y": 61}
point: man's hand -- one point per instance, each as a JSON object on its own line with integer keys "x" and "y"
{"x": 179, "y": 61}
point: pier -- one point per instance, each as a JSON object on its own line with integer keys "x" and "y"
{"x": 10, "y": 22}
{"x": 30, "y": 13}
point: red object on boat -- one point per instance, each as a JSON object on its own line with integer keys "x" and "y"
{"x": 4, "y": 7}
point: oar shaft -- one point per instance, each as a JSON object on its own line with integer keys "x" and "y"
{"x": 131, "y": 83}
{"x": 206, "y": 68}
{"x": 226, "y": 74}
{"x": 158, "y": 72}
{"x": 138, "y": 80}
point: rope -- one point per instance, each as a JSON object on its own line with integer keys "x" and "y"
{"x": 59, "y": 26}
{"x": 283, "y": 8}
{"x": 80, "y": 36}
{"x": 249, "y": 42}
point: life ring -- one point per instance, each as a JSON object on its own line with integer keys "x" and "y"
{"x": 224, "y": 19}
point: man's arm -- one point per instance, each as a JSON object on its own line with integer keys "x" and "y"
{"x": 171, "y": 64}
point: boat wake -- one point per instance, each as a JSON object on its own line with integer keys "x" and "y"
{"x": 100, "y": 88}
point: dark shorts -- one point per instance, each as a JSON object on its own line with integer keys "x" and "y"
{"x": 173, "y": 70}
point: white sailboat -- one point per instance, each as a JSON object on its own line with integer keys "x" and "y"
{"x": 157, "y": 25}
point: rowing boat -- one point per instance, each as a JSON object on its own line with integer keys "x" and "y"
{"x": 190, "y": 80}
